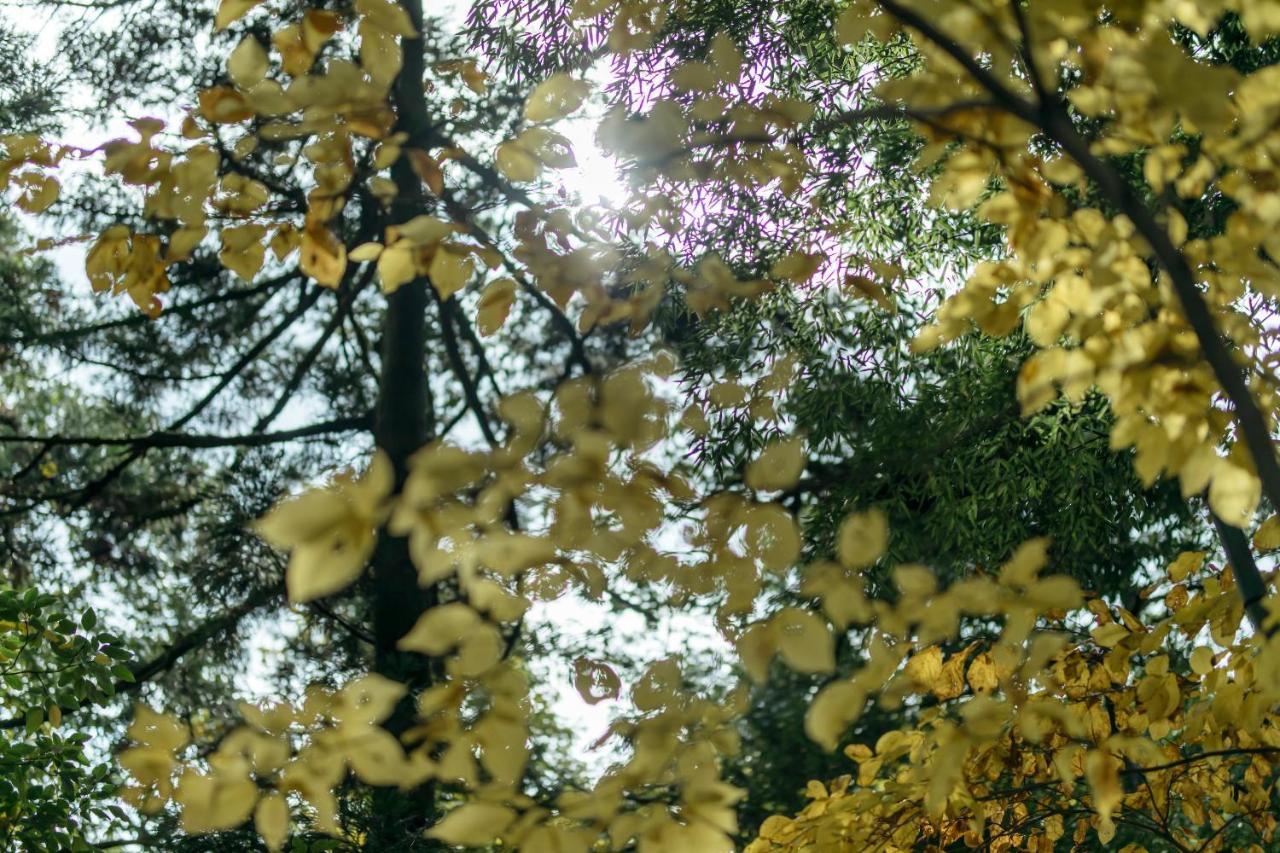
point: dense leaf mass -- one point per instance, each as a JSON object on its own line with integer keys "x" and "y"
{"x": 880, "y": 469}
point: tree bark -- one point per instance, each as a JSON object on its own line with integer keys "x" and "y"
{"x": 404, "y": 420}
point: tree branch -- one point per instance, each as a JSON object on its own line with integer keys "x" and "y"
{"x": 144, "y": 671}
{"x": 1055, "y": 122}
{"x": 178, "y": 439}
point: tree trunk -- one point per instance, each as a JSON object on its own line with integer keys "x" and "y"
{"x": 404, "y": 421}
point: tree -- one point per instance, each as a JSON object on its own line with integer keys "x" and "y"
{"x": 1025, "y": 702}
{"x": 52, "y": 796}
{"x": 935, "y": 440}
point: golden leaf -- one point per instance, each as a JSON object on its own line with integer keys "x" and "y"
{"x": 247, "y": 64}
{"x": 950, "y": 681}
{"x": 1187, "y": 563}
{"x": 271, "y": 819}
{"x": 1267, "y": 536}
{"x": 230, "y": 11}
{"x": 925, "y": 668}
{"x": 862, "y": 539}
{"x": 756, "y": 647}
{"x": 387, "y": 15}
{"x": 982, "y": 674}
{"x": 473, "y": 824}
{"x": 495, "y": 303}
{"x": 330, "y": 531}
{"x": 778, "y": 467}
{"x": 396, "y": 266}
{"x": 516, "y": 162}
{"x": 427, "y": 169}
{"x": 1234, "y": 493}
{"x": 222, "y": 105}
{"x": 1109, "y": 635}
{"x": 365, "y": 252}
{"x": 451, "y": 268}
{"x": 772, "y": 536}
{"x": 323, "y": 256}
{"x": 836, "y": 707}
{"x": 440, "y": 629}
{"x": 1202, "y": 660}
{"x": 556, "y": 97}
{"x": 804, "y": 640}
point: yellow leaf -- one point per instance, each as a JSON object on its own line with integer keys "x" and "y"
{"x": 950, "y": 682}
{"x": 869, "y": 289}
{"x": 925, "y": 668}
{"x": 518, "y": 164}
{"x": 242, "y": 250}
{"x": 1186, "y": 564}
{"x": 479, "y": 651}
{"x": 1058, "y": 592}
{"x": 804, "y": 640}
{"x": 1109, "y": 635}
{"x": 473, "y": 824}
{"x": 1021, "y": 569}
{"x": 982, "y": 674}
{"x": 324, "y": 258}
{"x": 1202, "y": 660}
{"x": 693, "y": 77}
{"x": 427, "y": 169}
{"x": 853, "y": 25}
{"x": 1234, "y": 493}
{"x": 247, "y": 64}
{"x": 41, "y": 192}
{"x": 797, "y": 267}
{"x": 440, "y": 629}
{"x": 915, "y": 580}
{"x": 556, "y": 97}
{"x": 778, "y": 466}
{"x": 420, "y": 231}
{"x": 230, "y": 11}
{"x": 387, "y": 15}
{"x": 495, "y": 304}
{"x": 365, "y": 252}
{"x": 836, "y": 707}
{"x": 862, "y": 539}
{"x": 216, "y": 801}
{"x": 271, "y": 819}
{"x": 725, "y": 58}
{"x": 331, "y": 531}
{"x": 1267, "y": 537}
{"x": 396, "y": 266}
{"x": 183, "y": 242}
{"x": 756, "y": 648}
{"x": 1102, "y": 770}
{"x": 450, "y": 270}
{"x": 222, "y": 105}
{"x": 772, "y": 536}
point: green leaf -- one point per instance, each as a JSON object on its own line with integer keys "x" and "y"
{"x": 35, "y": 716}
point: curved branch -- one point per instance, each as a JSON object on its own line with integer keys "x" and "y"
{"x": 1054, "y": 121}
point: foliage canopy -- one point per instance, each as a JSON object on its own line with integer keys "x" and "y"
{"x": 932, "y": 344}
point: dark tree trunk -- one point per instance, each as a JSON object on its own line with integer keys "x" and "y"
{"x": 404, "y": 421}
